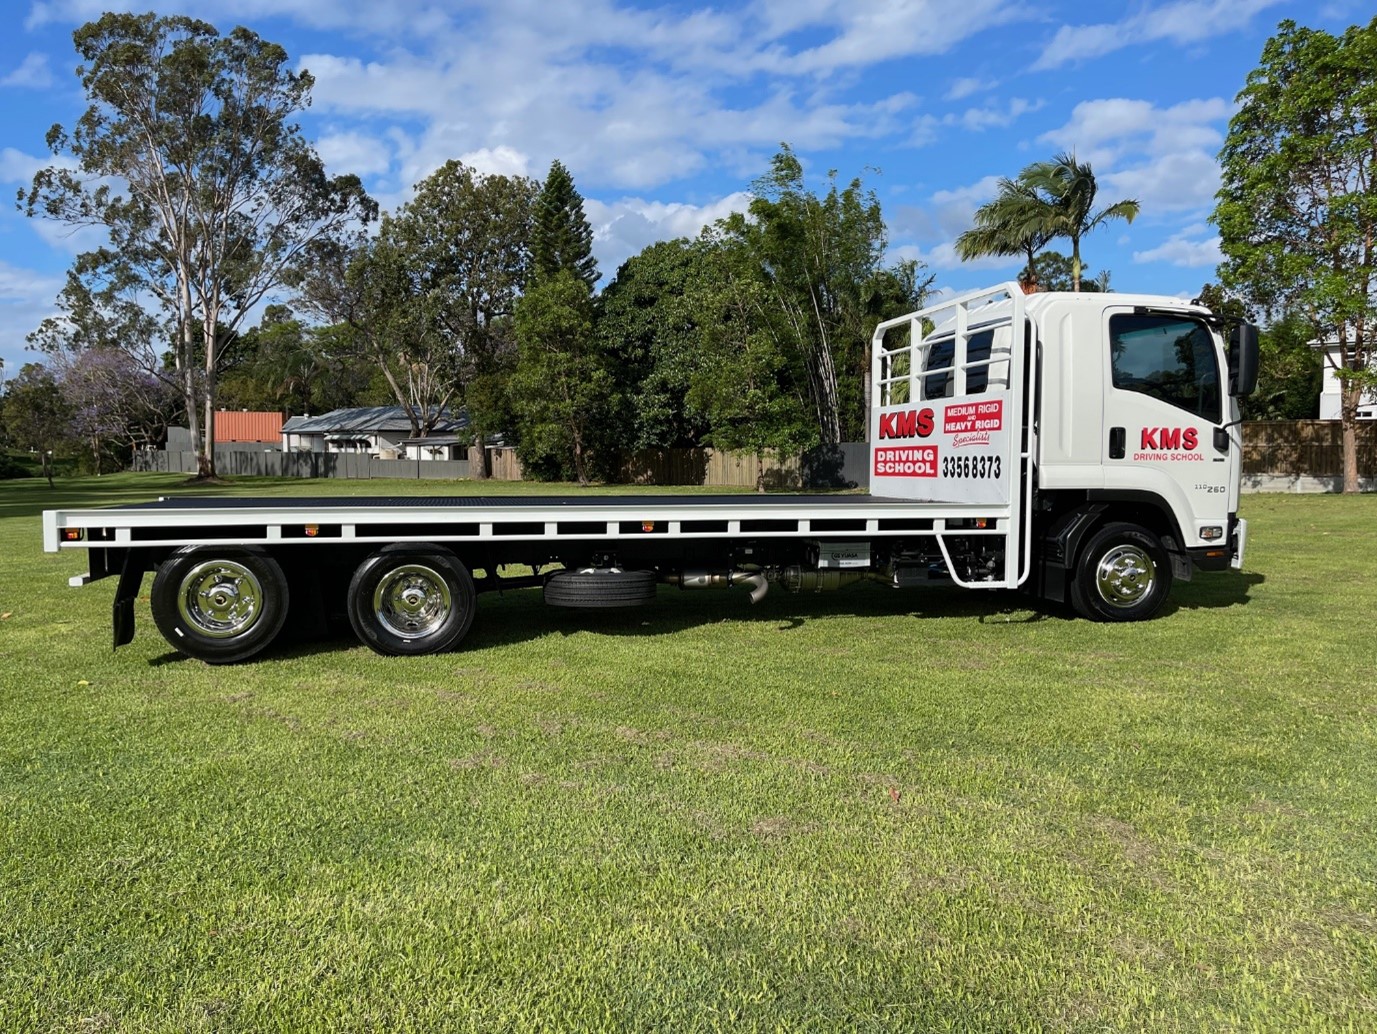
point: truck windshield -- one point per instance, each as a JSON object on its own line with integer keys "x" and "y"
{"x": 1171, "y": 358}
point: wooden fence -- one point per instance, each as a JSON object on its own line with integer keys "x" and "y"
{"x": 1305, "y": 448}
{"x": 710, "y": 467}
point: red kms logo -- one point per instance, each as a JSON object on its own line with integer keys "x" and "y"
{"x": 915, "y": 423}
{"x": 1168, "y": 439}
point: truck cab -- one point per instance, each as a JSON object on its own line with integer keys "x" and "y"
{"x": 1078, "y": 418}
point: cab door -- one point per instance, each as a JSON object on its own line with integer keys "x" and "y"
{"x": 1165, "y": 399}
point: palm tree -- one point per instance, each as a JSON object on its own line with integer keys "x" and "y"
{"x": 1014, "y": 223}
{"x": 1068, "y": 187}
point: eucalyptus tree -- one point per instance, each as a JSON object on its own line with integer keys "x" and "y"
{"x": 187, "y": 159}
{"x": 1297, "y": 206}
{"x": 395, "y": 322}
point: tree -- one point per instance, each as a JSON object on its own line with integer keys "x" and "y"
{"x": 1068, "y": 188}
{"x": 1290, "y": 373}
{"x": 283, "y": 364}
{"x": 395, "y": 317}
{"x": 1297, "y": 205}
{"x": 650, "y": 321}
{"x": 562, "y": 237}
{"x": 37, "y": 417}
{"x": 114, "y": 405}
{"x": 1290, "y": 370}
{"x": 819, "y": 259}
{"x": 467, "y": 238}
{"x": 371, "y": 296}
{"x": 743, "y": 382}
{"x": 209, "y": 195}
{"x": 1053, "y": 271}
{"x": 562, "y": 385}
{"x": 1013, "y": 223}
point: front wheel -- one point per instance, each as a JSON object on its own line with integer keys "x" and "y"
{"x": 219, "y": 604}
{"x": 408, "y": 602}
{"x": 1123, "y": 574}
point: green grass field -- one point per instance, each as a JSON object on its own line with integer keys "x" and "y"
{"x": 870, "y": 810}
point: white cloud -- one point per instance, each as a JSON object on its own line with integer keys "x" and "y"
{"x": 352, "y": 151}
{"x": 365, "y": 16}
{"x": 1113, "y": 123}
{"x": 960, "y": 89}
{"x": 877, "y": 30}
{"x": 33, "y": 72}
{"x": 1166, "y": 183}
{"x": 1162, "y": 157}
{"x": 994, "y": 117}
{"x": 635, "y": 129}
{"x": 17, "y": 284}
{"x": 18, "y": 167}
{"x": 1187, "y": 22}
{"x": 498, "y": 161}
{"x": 1180, "y": 250}
{"x": 952, "y": 210}
{"x": 627, "y": 226}
{"x": 26, "y": 299}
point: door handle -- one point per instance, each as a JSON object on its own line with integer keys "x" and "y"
{"x": 1118, "y": 440}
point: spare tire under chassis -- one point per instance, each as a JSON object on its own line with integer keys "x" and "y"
{"x": 600, "y": 587}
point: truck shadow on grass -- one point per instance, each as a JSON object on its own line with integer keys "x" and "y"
{"x": 1213, "y": 592}
{"x": 520, "y": 616}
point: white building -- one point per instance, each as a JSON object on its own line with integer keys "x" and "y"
{"x": 1330, "y": 395}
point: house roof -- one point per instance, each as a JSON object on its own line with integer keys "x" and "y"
{"x": 370, "y": 420}
{"x": 233, "y": 425}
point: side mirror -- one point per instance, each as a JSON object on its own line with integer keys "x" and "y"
{"x": 1243, "y": 360}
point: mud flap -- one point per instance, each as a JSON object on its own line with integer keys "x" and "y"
{"x": 1057, "y": 555}
{"x": 1182, "y": 569}
{"x": 126, "y": 592}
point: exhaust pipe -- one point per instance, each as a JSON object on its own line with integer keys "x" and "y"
{"x": 754, "y": 581}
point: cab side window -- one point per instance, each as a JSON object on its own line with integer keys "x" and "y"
{"x": 1171, "y": 358}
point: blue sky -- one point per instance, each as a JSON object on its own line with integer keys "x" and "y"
{"x": 665, "y": 112}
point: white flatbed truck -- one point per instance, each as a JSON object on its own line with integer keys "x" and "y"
{"x": 1085, "y": 448}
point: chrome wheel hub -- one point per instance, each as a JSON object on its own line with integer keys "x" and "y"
{"x": 412, "y": 601}
{"x": 1125, "y": 576}
{"x": 220, "y": 599}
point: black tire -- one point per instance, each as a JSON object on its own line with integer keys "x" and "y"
{"x": 219, "y": 604}
{"x": 1123, "y": 574}
{"x": 602, "y": 587}
{"x": 410, "y": 602}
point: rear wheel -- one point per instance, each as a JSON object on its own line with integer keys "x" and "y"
{"x": 219, "y": 604}
{"x": 600, "y": 587}
{"x": 1123, "y": 574}
{"x": 411, "y": 602}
